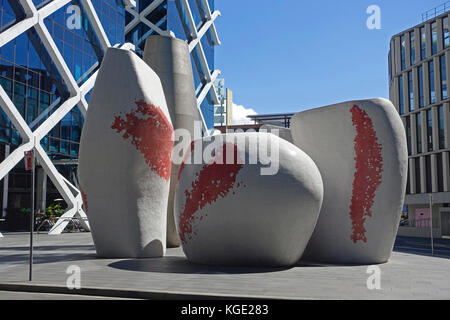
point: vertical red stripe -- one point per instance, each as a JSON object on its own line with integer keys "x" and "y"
{"x": 367, "y": 178}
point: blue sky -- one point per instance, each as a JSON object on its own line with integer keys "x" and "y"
{"x": 291, "y": 55}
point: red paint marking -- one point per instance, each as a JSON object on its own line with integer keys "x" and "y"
{"x": 367, "y": 178}
{"x": 84, "y": 198}
{"x": 188, "y": 153}
{"x": 214, "y": 181}
{"x": 151, "y": 133}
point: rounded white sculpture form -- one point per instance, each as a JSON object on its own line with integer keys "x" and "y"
{"x": 282, "y": 132}
{"x": 125, "y": 159}
{"x": 361, "y": 151}
{"x": 238, "y": 213}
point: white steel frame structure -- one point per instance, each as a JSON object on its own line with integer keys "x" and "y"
{"x": 195, "y": 44}
{"x": 31, "y": 139}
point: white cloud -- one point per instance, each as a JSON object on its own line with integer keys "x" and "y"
{"x": 240, "y": 114}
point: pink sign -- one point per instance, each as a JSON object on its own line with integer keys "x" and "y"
{"x": 423, "y": 218}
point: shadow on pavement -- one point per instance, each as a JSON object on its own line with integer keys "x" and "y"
{"x": 182, "y": 265}
{"x": 43, "y": 258}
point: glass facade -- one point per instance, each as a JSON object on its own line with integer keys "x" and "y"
{"x": 421, "y": 92}
{"x": 171, "y": 15}
{"x": 403, "y": 52}
{"x": 417, "y": 174}
{"x": 446, "y": 32}
{"x": 408, "y": 133}
{"x": 423, "y": 82}
{"x": 401, "y": 105}
{"x": 441, "y": 127}
{"x": 423, "y": 43}
{"x": 410, "y": 91}
{"x": 412, "y": 46}
{"x": 434, "y": 37}
{"x": 430, "y": 130}
{"x": 31, "y": 80}
{"x": 444, "y": 87}
{"x": 431, "y": 82}
{"x": 419, "y": 132}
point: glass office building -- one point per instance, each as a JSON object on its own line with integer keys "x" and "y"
{"x": 31, "y": 80}
{"x": 173, "y": 16}
{"x": 418, "y": 71}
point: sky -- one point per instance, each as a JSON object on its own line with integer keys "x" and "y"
{"x": 291, "y": 55}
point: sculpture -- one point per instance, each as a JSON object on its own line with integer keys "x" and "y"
{"x": 170, "y": 58}
{"x": 228, "y": 212}
{"x": 125, "y": 159}
{"x": 360, "y": 149}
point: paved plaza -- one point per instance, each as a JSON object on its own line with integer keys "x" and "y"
{"x": 411, "y": 273}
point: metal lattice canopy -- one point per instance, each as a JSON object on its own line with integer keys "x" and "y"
{"x": 194, "y": 33}
{"x": 34, "y": 18}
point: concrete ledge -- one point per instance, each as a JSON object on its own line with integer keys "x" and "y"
{"x": 127, "y": 293}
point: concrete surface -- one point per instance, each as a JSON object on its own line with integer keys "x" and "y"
{"x": 405, "y": 276}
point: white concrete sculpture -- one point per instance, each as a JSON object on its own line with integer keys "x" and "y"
{"x": 170, "y": 58}
{"x": 229, "y": 211}
{"x": 361, "y": 151}
{"x": 282, "y": 132}
{"x": 125, "y": 159}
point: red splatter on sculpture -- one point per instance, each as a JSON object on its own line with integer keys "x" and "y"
{"x": 367, "y": 178}
{"x": 151, "y": 133}
{"x": 213, "y": 181}
{"x": 188, "y": 153}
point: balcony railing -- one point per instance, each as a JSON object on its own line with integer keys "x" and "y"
{"x": 433, "y": 13}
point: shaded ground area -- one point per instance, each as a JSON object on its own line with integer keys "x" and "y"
{"x": 410, "y": 273}
{"x": 422, "y": 246}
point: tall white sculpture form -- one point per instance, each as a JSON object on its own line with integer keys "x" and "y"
{"x": 125, "y": 158}
{"x": 231, "y": 212}
{"x": 360, "y": 149}
{"x": 170, "y": 59}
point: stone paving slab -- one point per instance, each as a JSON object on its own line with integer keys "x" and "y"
{"x": 405, "y": 276}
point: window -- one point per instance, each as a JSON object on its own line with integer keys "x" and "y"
{"x": 441, "y": 127}
{"x": 444, "y": 91}
{"x": 403, "y": 50}
{"x": 445, "y": 32}
{"x": 419, "y": 132}
{"x": 408, "y": 133}
{"x": 430, "y": 130}
{"x": 411, "y": 91}
{"x": 440, "y": 172}
{"x": 434, "y": 37}
{"x": 428, "y": 174}
{"x": 421, "y": 95}
{"x": 423, "y": 43}
{"x": 401, "y": 106}
{"x": 412, "y": 47}
{"x": 417, "y": 174}
{"x": 432, "y": 86}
